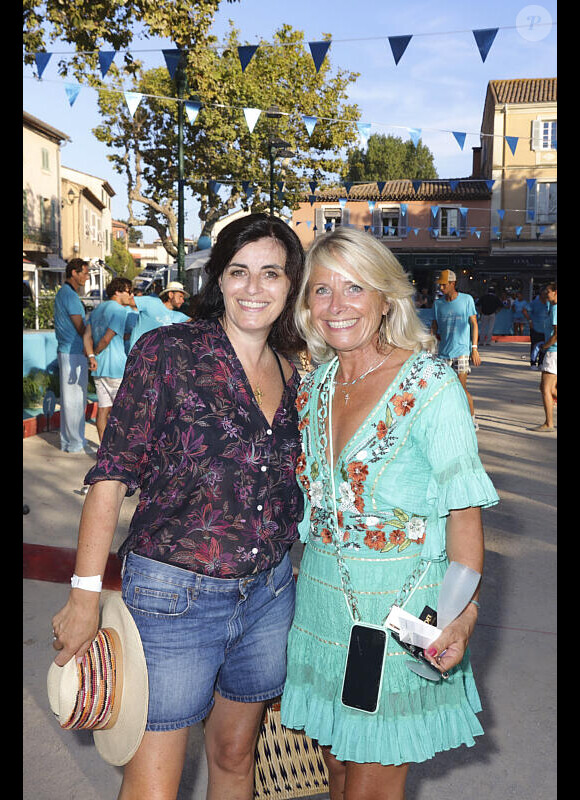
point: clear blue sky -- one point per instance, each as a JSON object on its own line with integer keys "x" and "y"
{"x": 438, "y": 86}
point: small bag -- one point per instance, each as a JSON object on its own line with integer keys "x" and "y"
{"x": 288, "y": 763}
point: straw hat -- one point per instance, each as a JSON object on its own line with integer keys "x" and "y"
{"x": 108, "y": 691}
{"x": 174, "y": 286}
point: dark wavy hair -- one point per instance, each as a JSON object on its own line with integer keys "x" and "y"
{"x": 209, "y": 302}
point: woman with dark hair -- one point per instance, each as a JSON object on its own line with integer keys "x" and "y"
{"x": 205, "y": 426}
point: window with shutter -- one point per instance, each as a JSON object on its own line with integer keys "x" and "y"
{"x": 544, "y": 134}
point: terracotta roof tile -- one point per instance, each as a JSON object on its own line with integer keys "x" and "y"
{"x": 525, "y": 90}
{"x": 401, "y": 190}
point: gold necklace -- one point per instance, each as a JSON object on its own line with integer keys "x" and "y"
{"x": 361, "y": 377}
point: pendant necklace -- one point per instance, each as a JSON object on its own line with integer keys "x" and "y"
{"x": 361, "y": 377}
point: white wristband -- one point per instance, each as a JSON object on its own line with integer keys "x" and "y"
{"x": 93, "y": 583}
{"x": 474, "y": 347}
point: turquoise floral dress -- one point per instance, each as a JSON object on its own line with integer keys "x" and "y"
{"x": 412, "y": 460}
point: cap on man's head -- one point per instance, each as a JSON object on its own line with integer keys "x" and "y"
{"x": 447, "y": 276}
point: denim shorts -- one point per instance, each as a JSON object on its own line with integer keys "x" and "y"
{"x": 201, "y": 635}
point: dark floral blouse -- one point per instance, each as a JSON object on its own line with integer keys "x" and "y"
{"x": 218, "y": 489}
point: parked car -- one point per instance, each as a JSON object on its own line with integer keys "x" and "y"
{"x": 92, "y": 299}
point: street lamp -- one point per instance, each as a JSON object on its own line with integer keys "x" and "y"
{"x": 277, "y": 148}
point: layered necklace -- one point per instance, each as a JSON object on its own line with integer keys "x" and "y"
{"x": 374, "y": 367}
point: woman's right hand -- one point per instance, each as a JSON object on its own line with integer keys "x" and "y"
{"x": 76, "y": 625}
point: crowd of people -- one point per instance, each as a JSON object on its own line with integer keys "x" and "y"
{"x": 370, "y": 458}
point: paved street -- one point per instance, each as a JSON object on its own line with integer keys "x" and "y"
{"x": 513, "y": 648}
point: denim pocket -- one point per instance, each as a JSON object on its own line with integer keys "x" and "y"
{"x": 154, "y": 596}
{"x": 282, "y": 577}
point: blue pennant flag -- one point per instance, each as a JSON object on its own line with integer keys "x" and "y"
{"x": 318, "y": 50}
{"x": 531, "y": 182}
{"x": 416, "y": 185}
{"x": 381, "y": 185}
{"x": 280, "y": 185}
{"x": 342, "y": 201}
{"x": 484, "y": 38}
{"x": 214, "y": 186}
{"x": 347, "y": 186}
{"x": 415, "y": 134}
{"x": 245, "y": 53}
{"x": 434, "y": 211}
{"x": 496, "y": 230}
{"x": 460, "y": 137}
{"x": 105, "y": 60}
{"x": 42, "y": 60}
{"x": 364, "y": 129}
{"x": 313, "y": 186}
{"x": 310, "y": 122}
{"x": 501, "y": 213}
{"x": 72, "y": 90}
{"x": 172, "y": 61}
{"x": 519, "y": 229}
{"x": 403, "y": 208}
{"x": 453, "y": 185}
{"x": 192, "y": 109}
{"x": 463, "y": 211}
{"x": 371, "y": 205}
{"x": 415, "y": 231}
{"x": 513, "y": 143}
{"x": 311, "y": 198}
{"x": 398, "y": 46}
{"x": 478, "y": 234}
{"x": 489, "y": 184}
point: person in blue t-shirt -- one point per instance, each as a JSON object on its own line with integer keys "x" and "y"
{"x": 104, "y": 340}
{"x": 519, "y": 307}
{"x": 456, "y": 329}
{"x": 156, "y": 311}
{"x": 69, "y": 327}
{"x": 537, "y": 316}
{"x": 549, "y": 379}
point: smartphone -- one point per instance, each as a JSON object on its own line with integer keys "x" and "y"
{"x": 363, "y": 673}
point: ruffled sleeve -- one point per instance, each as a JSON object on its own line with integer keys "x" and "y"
{"x": 458, "y": 479}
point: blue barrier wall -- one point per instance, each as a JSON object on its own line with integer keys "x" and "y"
{"x": 39, "y": 351}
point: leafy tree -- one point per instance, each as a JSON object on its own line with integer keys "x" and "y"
{"x": 92, "y": 25}
{"x": 218, "y": 146}
{"x": 121, "y": 261}
{"x": 389, "y": 158}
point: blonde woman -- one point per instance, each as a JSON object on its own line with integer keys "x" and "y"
{"x": 393, "y": 487}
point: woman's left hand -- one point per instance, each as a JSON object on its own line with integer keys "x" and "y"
{"x": 448, "y": 649}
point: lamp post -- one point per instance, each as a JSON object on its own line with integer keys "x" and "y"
{"x": 276, "y": 148}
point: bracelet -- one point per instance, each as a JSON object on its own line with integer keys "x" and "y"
{"x": 92, "y": 583}
{"x": 475, "y": 603}
{"x": 91, "y": 355}
{"x": 474, "y": 347}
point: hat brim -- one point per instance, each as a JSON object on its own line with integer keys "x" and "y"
{"x": 183, "y": 292}
{"x": 118, "y": 744}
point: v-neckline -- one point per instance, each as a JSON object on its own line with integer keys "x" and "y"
{"x": 330, "y": 396}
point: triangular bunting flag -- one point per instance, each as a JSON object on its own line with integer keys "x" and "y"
{"x": 472, "y": 231}
{"x": 478, "y": 234}
{"x": 403, "y": 208}
{"x": 416, "y": 185}
{"x": 214, "y": 186}
{"x": 42, "y": 60}
{"x": 519, "y": 228}
{"x": 453, "y": 185}
{"x": 311, "y": 199}
{"x": 531, "y": 182}
{"x": 308, "y": 223}
{"x": 371, "y": 205}
{"x": 415, "y": 231}
{"x": 318, "y": 50}
{"x": 364, "y": 129}
{"x": 172, "y": 61}
{"x": 484, "y": 39}
{"x": 313, "y": 186}
{"x": 531, "y": 214}
{"x": 251, "y": 115}
{"x": 280, "y": 185}
{"x": 460, "y": 137}
{"x": 513, "y": 143}
{"x": 72, "y": 90}
{"x": 347, "y": 186}
{"x": 434, "y": 211}
{"x": 463, "y": 211}
{"x": 415, "y": 134}
{"x": 342, "y": 202}
{"x": 245, "y": 53}
{"x": 501, "y": 213}
{"x": 105, "y": 60}
{"x": 132, "y": 99}
{"x": 398, "y": 46}
{"x": 310, "y": 122}
{"x": 489, "y": 184}
{"x": 192, "y": 109}
{"x": 381, "y": 185}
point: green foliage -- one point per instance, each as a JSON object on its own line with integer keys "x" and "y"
{"x": 35, "y": 384}
{"x": 389, "y": 158}
{"x": 218, "y": 146}
{"x": 45, "y": 312}
{"x": 92, "y": 25}
{"x": 122, "y": 261}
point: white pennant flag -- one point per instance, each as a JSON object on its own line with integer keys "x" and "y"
{"x": 251, "y": 115}
{"x": 133, "y": 99}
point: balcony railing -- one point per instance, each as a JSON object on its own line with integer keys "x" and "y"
{"x": 39, "y": 236}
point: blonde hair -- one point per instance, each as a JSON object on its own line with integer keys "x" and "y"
{"x": 375, "y": 267}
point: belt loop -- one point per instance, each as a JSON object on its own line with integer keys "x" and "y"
{"x": 123, "y": 566}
